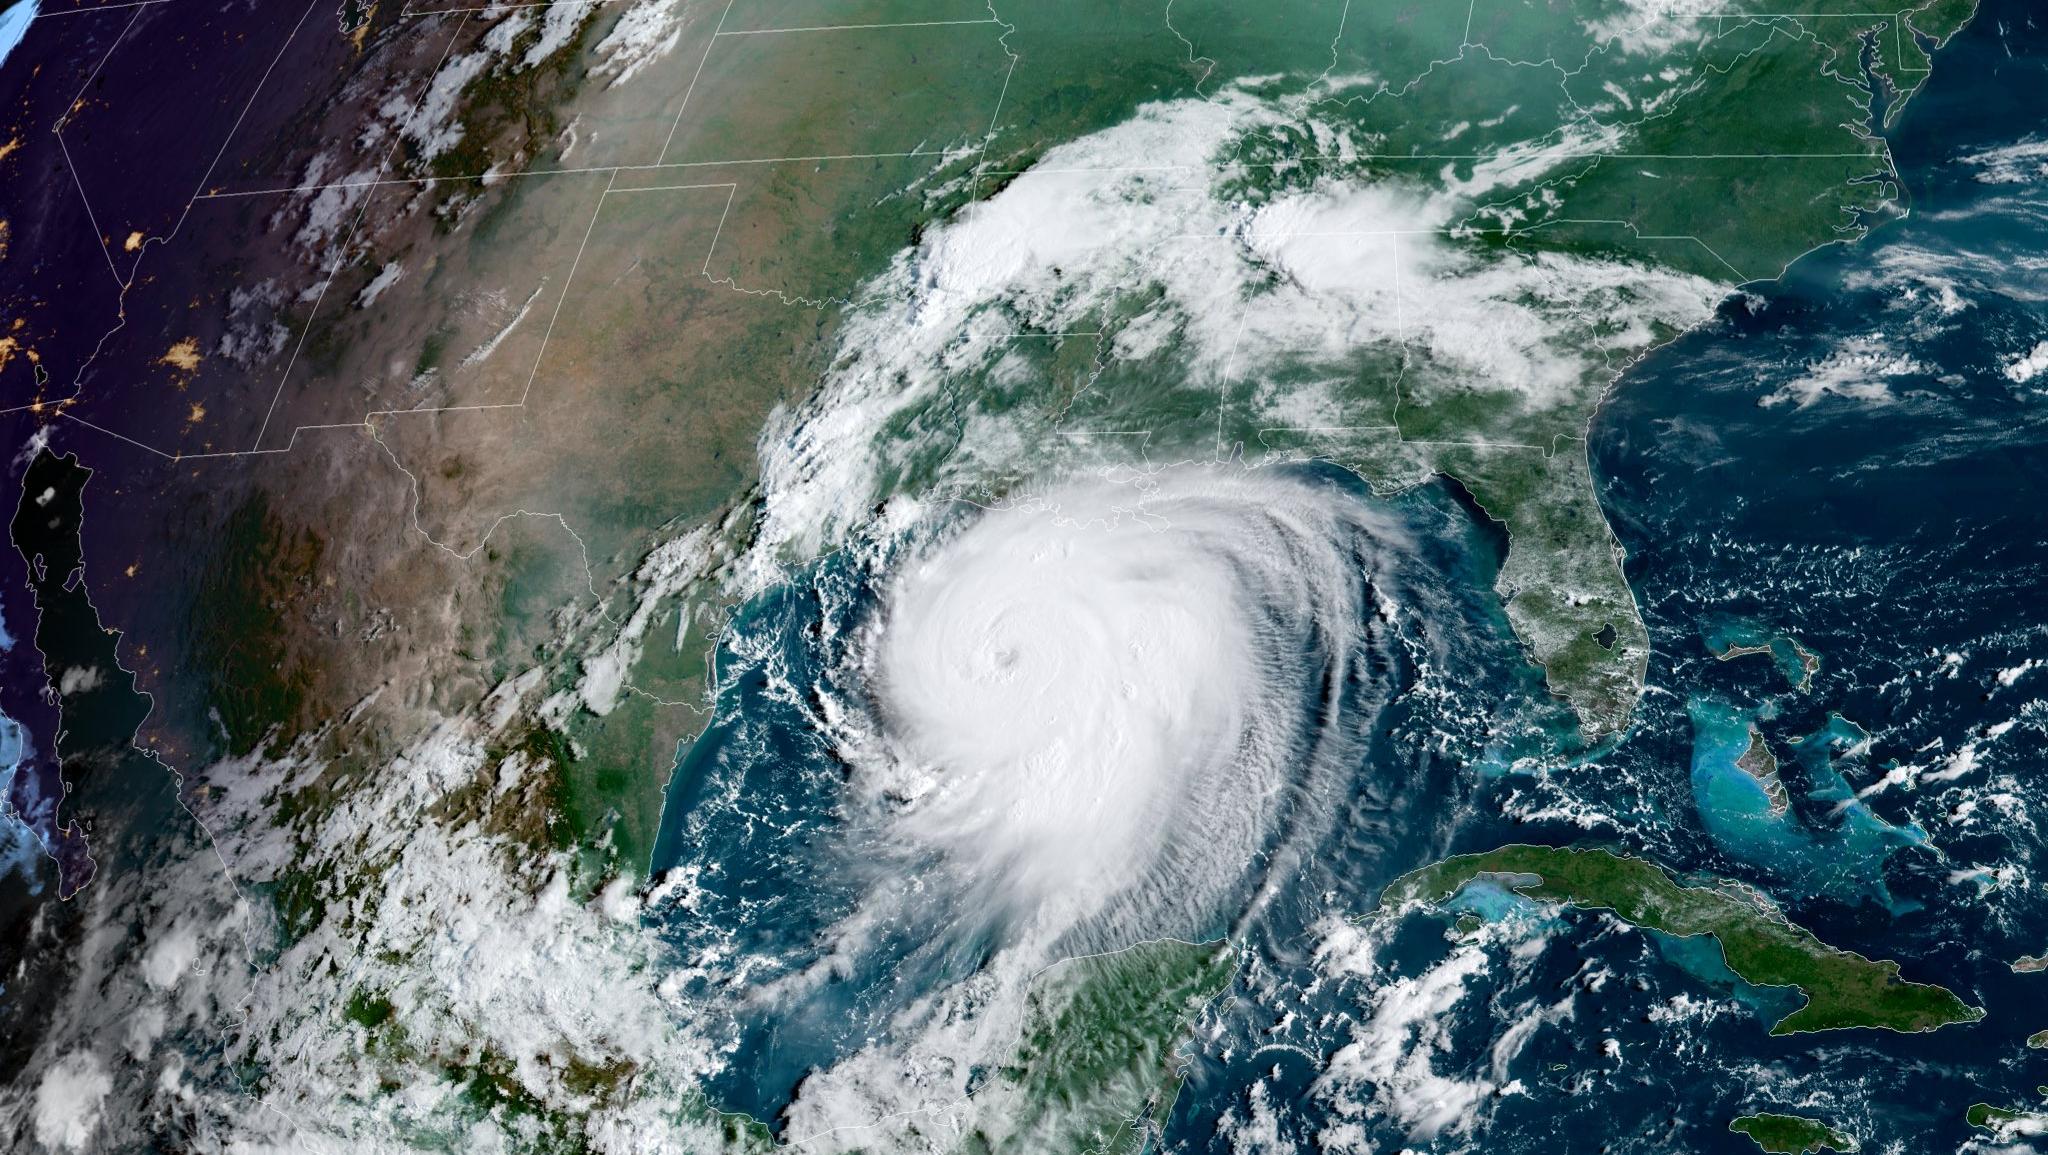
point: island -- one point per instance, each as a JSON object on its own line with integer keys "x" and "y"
{"x": 1842, "y": 989}
{"x": 1728, "y": 641}
{"x": 1760, "y": 764}
{"x": 2038, "y": 1040}
{"x": 2030, "y": 964}
{"x": 2002, "y": 1119}
{"x": 1791, "y": 1134}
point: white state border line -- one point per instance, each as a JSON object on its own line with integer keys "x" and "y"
{"x": 409, "y": 11}
{"x": 62, "y": 408}
{"x": 718, "y": 33}
{"x": 709, "y": 43}
{"x": 367, "y": 423}
{"x": 89, "y": 9}
{"x": 141, "y": 249}
{"x": 368, "y": 419}
{"x": 661, "y": 164}
{"x": 57, "y": 130}
{"x": 341, "y": 250}
{"x": 284, "y": 190}
{"x": 855, "y": 27}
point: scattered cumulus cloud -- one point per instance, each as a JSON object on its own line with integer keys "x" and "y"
{"x": 2028, "y": 365}
{"x": 2021, "y": 163}
{"x": 1860, "y": 369}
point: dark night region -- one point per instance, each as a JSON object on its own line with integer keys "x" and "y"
{"x": 46, "y": 532}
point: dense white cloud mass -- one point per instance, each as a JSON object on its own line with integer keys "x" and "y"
{"x": 1107, "y": 713}
{"x": 1068, "y": 688}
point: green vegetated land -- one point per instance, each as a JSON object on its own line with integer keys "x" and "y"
{"x": 485, "y": 1083}
{"x": 2001, "y": 1119}
{"x": 1791, "y": 1134}
{"x": 1842, "y": 989}
{"x": 1097, "y": 1068}
{"x": 652, "y": 396}
{"x": 1721, "y": 149}
{"x": 1708, "y": 153}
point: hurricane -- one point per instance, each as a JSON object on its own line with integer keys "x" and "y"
{"x": 1112, "y": 708}
{"x": 986, "y": 739}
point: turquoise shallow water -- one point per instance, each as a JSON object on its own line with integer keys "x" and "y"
{"x": 1722, "y": 635}
{"x": 1898, "y": 536}
{"x": 1901, "y": 541}
{"x": 783, "y": 855}
{"x": 1825, "y": 842}
{"x": 1700, "y": 957}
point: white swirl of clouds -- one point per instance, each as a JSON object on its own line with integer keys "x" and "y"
{"x": 1108, "y": 710}
{"x": 1108, "y": 713}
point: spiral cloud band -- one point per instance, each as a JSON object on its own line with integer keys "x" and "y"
{"x": 1113, "y": 708}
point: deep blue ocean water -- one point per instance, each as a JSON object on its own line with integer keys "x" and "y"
{"x": 1840, "y": 460}
{"x": 755, "y": 816}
